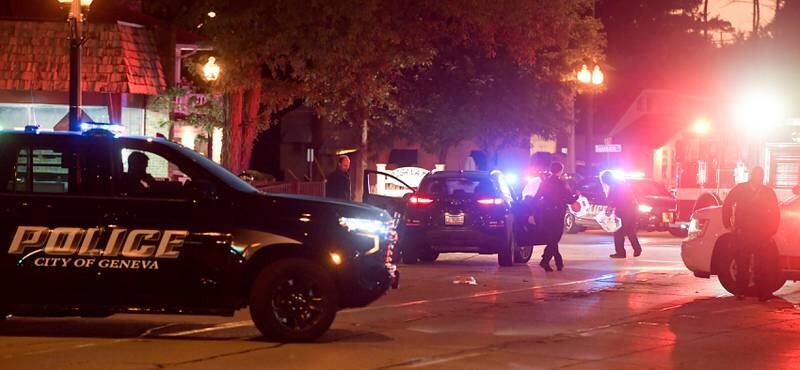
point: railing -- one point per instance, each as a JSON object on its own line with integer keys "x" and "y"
{"x": 316, "y": 188}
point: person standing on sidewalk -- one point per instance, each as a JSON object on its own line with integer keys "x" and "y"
{"x": 553, "y": 196}
{"x": 622, "y": 202}
{"x": 756, "y": 218}
{"x": 338, "y": 182}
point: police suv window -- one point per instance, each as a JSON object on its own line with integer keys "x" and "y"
{"x": 146, "y": 173}
{"x": 56, "y": 170}
{"x": 17, "y": 180}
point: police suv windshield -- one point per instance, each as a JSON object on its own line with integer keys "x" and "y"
{"x": 218, "y": 171}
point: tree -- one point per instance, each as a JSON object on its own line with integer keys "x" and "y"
{"x": 348, "y": 59}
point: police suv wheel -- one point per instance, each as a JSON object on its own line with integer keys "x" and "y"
{"x": 293, "y": 300}
{"x": 505, "y": 256}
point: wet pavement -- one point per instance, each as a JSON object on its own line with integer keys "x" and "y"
{"x": 647, "y": 312}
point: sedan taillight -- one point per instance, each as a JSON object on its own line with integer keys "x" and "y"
{"x": 418, "y": 200}
{"x": 490, "y": 201}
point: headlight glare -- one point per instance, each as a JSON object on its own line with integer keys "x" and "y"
{"x": 364, "y": 225}
{"x": 644, "y": 208}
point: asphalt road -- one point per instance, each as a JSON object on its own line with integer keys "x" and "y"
{"x": 647, "y": 312}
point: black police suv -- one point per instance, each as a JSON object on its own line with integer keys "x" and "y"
{"x": 461, "y": 211}
{"x": 93, "y": 224}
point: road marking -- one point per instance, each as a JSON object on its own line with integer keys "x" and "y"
{"x": 223, "y": 326}
{"x": 443, "y": 360}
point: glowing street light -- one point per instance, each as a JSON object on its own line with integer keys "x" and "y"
{"x": 211, "y": 69}
{"x": 701, "y": 126}
{"x": 595, "y": 77}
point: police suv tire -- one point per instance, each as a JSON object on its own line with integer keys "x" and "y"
{"x": 570, "y": 224}
{"x": 505, "y": 256}
{"x": 266, "y": 289}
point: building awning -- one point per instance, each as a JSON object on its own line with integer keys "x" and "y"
{"x": 117, "y": 58}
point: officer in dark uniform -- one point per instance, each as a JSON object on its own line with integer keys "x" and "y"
{"x": 623, "y": 202}
{"x": 338, "y": 182}
{"x": 756, "y": 217}
{"x": 137, "y": 180}
{"x": 552, "y": 198}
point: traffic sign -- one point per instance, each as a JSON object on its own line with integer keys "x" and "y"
{"x": 608, "y": 148}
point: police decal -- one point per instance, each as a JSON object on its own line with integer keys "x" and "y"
{"x": 80, "y": 248}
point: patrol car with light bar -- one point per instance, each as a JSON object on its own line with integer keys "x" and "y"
{"x": 94, "y": 224}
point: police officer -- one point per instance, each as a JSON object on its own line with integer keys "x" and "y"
{"x": 756, "y": 217}
{"x": 623, "y": 202}
{"x": 338, "y": 183}
{"x": 552, "y": 198}
{"x": 137, "y": 180}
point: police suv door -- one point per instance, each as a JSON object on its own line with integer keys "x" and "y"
{"x": 51, "y": 188}
{"x": 178, "y": 228}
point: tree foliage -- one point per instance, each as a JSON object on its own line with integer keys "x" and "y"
{"x": 434, "y": 70}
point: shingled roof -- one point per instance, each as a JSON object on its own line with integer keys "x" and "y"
{"x": 117, "y": 58}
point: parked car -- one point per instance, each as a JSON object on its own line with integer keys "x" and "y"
{"x": 657, "y": 206}
{"x": 458, "y": 211}
{"x": 708, "y": 250}
{"x": 86, "y": 236}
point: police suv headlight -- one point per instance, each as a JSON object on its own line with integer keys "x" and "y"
{"x": 644, "y": 208}
{"x": 364, "y": 226}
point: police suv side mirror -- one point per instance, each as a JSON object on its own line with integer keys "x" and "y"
{"x": 796, "y": 190}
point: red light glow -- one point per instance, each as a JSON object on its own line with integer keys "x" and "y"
{"x": 491, "y": 201}
{"x": 420, "y": 200}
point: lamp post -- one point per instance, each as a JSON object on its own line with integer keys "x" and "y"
{"x": 592, "y": 80}
{"x": 211, "y": 72}
{"x": 76, "y": 40}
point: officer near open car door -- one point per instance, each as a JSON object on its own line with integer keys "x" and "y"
{"x": 755, "y": 221}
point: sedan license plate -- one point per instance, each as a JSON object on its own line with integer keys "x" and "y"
{"x": 455, "y": 220}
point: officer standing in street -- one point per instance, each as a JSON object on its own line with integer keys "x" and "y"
{"x": 553, "y": 196}
{"x": 756, "y": 217}
{"x": 623, "y": 203}
{"x": 338, "y": 182}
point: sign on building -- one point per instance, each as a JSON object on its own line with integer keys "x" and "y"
{"x": 608, "y": 148}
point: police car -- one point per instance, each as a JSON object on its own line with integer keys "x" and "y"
{"x": 709, "y": 249}
{"x": 95, "y": 224}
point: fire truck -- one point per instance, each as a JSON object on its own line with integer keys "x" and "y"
{"x": 708, "y": 165}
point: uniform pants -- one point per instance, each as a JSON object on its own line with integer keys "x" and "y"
{"x": 553, "y": 226}
{"x": 628, "y": 229}
{"x": 752, "y": 259}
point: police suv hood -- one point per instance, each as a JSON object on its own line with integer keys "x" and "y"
{"x": 317, "y": 207}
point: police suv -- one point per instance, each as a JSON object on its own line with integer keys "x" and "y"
{"x": 94, "y": 224}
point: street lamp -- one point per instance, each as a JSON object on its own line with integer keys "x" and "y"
{"x": 211, "y": 69}
{"x": 76, "y": 19}
{"x": 593, "y": 80}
